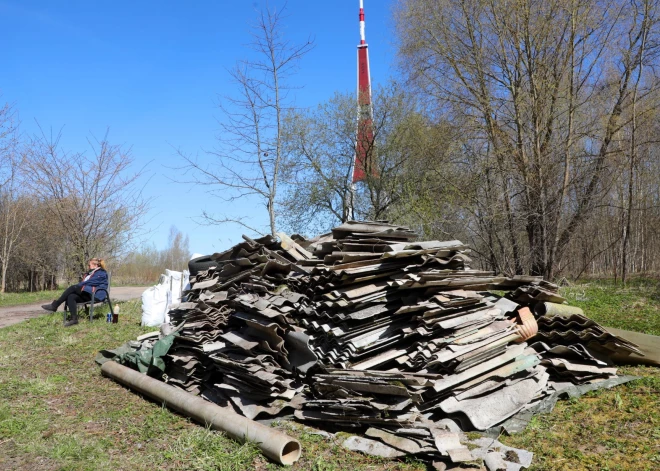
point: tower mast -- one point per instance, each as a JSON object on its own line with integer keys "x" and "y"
{"x": 364, "y": 132}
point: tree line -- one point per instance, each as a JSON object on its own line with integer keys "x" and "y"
{"x": 144, "y": 264}
{"x": 60, "y": 208}
{"x": 528, "y": 129}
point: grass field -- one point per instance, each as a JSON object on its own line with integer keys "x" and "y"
{"x": 58, "y": 413}
{"x": 635, "y": 307}
{"x": 16, "y": 299}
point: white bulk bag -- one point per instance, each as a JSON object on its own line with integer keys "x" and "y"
{"x": 157, "y": 300}
{"x": 176, "y": 282}
{"x": 154, "y": 303}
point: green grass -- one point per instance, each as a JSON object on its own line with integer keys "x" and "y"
{"x": 17, "y": 299}
{"x": 635, "y": 307}
{"x": 615, "y": 429}
{"x": 58, "y": 413}
{"x": 132, "y": 283}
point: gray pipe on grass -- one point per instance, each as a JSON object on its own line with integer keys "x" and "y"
{"x": 274, "y": 444}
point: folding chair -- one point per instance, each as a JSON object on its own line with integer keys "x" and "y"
{"x": 89, "y": 305}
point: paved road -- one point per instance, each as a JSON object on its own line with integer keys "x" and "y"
{"x": 14, "y": 314}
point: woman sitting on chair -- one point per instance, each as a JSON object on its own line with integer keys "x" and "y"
{"x": 94, "y": 280}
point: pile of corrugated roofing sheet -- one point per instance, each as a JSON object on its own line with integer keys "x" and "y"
{"x": 237, "y": 317}
{"x": 366, "y": 329}
{"x": 578, "y": 329}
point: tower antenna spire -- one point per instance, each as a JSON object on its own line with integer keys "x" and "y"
{"x": 364, "y": 134}
{"x": 362, "y": 37}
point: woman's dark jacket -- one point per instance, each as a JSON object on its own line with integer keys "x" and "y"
{"x": 98, "y": 280}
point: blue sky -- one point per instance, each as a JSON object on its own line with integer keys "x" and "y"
{"x": 153, "y": 72}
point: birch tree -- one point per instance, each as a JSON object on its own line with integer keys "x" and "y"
{"x": 247, "y": 162}
{"x": 644, "y": 12}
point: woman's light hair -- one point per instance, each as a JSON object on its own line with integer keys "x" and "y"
{"x": 99, "y": 262}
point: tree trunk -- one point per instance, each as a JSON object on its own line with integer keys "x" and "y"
{"x": 3, "y": 283}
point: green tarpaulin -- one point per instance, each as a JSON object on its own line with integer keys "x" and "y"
{"x": 145, "y": 360}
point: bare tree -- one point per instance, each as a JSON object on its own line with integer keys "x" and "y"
{"x": 546, "y": 89}
{"x": 39, "y": 260}
{"x": 14, "y": 206}
{"x": 177, "y": 253}
{"x": 97, "y": 199}
{"x": 645, "y": 12}
{"x": 247, "y": 162}
{"x": 146, "y": 263}
{"x": 15, "y": 213}
{"x": 8, "y": 142}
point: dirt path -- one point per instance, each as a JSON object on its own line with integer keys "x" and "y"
{"x": 14, "y": 314}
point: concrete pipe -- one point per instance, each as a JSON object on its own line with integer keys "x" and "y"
{"x": 274, "y": 444}
{"x": 554, "y": 309}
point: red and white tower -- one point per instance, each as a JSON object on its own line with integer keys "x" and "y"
{"x": 364, "y": 136}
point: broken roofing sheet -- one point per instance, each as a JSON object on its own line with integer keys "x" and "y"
{"x": 367, "y": 330}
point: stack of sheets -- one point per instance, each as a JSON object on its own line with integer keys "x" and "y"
{"x": 366, "y": 329}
